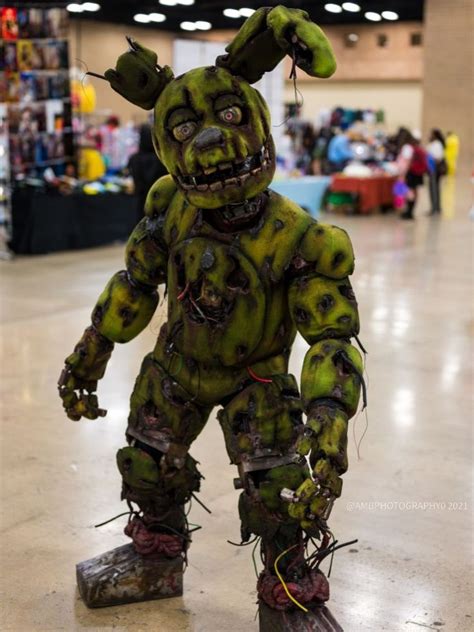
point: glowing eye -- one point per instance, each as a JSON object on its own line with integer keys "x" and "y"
{"x": 183, "y": 131}
{"x": 232, "y": 115}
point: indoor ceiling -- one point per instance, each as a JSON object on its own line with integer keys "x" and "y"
{"x": 210, "y": 13}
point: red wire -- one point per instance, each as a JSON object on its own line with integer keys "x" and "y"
{"x": 183, "y": 293}
{"x": 254, "y": 376}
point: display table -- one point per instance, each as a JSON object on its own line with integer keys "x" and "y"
{"x": 307, "y": 191}
{"x": 49, "y": 222}
{"x": 374, "y": 192}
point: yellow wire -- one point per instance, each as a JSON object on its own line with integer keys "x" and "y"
{"x": 283, "y": 581}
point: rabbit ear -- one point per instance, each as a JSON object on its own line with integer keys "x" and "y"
{"x": 270, "y": 34}
{"x": 138, "y": 77}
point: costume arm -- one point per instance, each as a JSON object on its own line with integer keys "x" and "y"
{"x": 324, "y": 310}
{"x": 123, "y": 310}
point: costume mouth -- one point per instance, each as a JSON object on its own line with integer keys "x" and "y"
{"x": 227, "y": 174}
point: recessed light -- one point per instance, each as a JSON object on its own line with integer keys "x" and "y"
{"x": 390, "y": 15}
{"x": 188, "y": 26}
{"x": 74, "y": 7}
{"x": 333, "y": 8}
{"x": 372, "y": 16}
{"x": 168, "y": 3}
{"x": 353, "y": 7}
{"x": 157, "y": 17}
{"x": 231, "y": 13}
{"x": 91, "y": 6}
{"x": 142, "y": 18}
{"x": 353, "y": 37}
{"x": 246, "y": 12}
{"x": 202, "y": 25}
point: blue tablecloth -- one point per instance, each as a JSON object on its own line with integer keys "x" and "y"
{"x": 307, "y": 191}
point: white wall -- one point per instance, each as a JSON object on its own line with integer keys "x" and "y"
{"x": 401, "y": 100}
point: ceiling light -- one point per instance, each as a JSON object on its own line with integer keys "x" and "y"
{"x": 372, "y": 16}
{"x": 246, "y": 12}
{"x": 333, "y": 8}
{"x": 168, "y": 3}
{"x": 91, "y": 6}
{"x": 188, "y": 26}
{"x": 353, "y": 37}
{"x": 157, "y": 17}
{"x": 390, "y": 15}
{"x": 202, "y": 25}
{"x": 231, "y": 13}
{"x": 186, "y": 3}
{"x": 351, "y": 6}
{"x": 142, "y": 18}
{"x": 75, "y": 8}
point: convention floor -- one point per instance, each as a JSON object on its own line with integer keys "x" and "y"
{"x": 407, "y": 499}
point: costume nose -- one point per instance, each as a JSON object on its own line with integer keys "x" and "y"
{"x": 209, "y": 137}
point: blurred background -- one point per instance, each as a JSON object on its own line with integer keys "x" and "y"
{"x": 384, "y": 148}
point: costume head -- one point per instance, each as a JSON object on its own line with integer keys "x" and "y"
{"x": 212, "y": 129}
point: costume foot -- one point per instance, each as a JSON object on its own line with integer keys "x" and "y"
{"x": 317, "y": 619}
{"x": 124, "y": 576}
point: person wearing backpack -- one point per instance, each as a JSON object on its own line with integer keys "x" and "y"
{"x": 413, "y": 164}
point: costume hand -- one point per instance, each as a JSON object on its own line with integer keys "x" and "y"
{"x": 78, "y": 397}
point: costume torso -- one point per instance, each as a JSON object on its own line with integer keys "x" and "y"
{"x": 227, "y": 291}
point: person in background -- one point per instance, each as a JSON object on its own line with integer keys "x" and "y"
{"x": 451, "y": 152}
{"x": 145, "y": 168}
{"x": 339, "y": 151}
{"x": 412, "y": 165}
{"x": 437, "y": 168}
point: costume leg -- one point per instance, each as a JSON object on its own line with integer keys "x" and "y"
{"x": 261, "y": 425}
{"x": 159, "y": 477}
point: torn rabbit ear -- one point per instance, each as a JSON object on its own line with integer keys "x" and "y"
{"x": 270, "y": 34}
{"x": 138, "y": 77}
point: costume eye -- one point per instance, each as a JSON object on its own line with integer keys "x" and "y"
{"x": 183, "y": 131}
{"x": 232, "y": 115}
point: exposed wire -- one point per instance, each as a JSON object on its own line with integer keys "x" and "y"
{"x": 124, "y": 513}
{"x": 278, "y": 574}
{"x": 201, "y": 503}
{"x": 254, "y": 376}
{"x": 253, "y": 556}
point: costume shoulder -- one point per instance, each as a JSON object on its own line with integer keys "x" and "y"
{"x": 170, "y": 208}
{"x": 272, "y": 244}
{"x": 326, "y": 250}
{"x": 160, "y": 196}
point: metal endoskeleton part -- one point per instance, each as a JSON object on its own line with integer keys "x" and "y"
{"x": 245, "y": 269}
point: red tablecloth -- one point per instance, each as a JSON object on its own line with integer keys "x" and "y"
{"x": 374, "y": 191}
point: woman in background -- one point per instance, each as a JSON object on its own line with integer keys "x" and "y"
{"x": 437, "y": 168}
{"x": 412, "y": 165}
{"x": 145, "y": 168}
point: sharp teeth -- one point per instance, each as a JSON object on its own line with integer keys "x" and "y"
{"x": 216, "y": 186}
{"x": 193, "y": 180}
{"x": 225, "y": 165}
{"x": 231, "y": 181}
{"x": 244, "y": 177}
{"x": 209, "y": 170}
{"x": 202, "y": 187}
{"x": 254, "y": 172}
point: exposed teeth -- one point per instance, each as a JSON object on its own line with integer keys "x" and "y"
{"x": 237, "y": 173}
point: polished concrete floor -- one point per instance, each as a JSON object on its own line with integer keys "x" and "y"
{"x": 407, "y": 499}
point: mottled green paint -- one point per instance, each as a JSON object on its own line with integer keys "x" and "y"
{"x": 323, "y": 308}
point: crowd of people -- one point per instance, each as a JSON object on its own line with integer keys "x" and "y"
{"x": 330, "y": 150}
